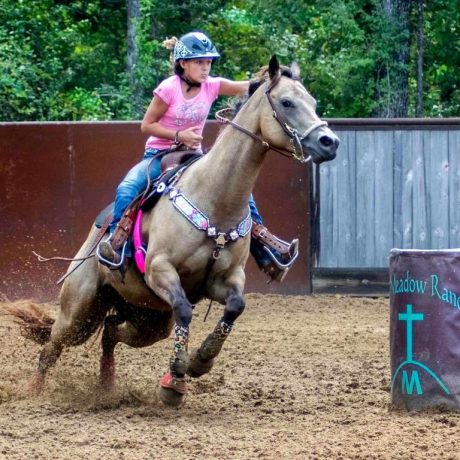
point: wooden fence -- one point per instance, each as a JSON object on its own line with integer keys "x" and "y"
{"x": 395, "y": 183}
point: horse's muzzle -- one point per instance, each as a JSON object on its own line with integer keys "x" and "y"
{"x": 322, "y": 145}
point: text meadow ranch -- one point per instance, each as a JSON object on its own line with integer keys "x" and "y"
{"x": 432, "y": 286}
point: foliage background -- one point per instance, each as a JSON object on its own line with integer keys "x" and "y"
{"x": 66, "y": 60}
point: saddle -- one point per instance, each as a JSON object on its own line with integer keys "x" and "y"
{"x": 177, "y": 158}
{"x": 171, "y": 163}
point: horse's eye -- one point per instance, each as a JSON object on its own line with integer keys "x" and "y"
{"x": 287, "y": 103}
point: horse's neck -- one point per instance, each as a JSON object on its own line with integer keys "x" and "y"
{"x": 226, "y": 176}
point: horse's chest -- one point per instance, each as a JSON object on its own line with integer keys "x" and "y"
{"x": 203, "y": 260}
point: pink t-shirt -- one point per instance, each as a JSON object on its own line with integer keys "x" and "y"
{"x": 183, "y": 113}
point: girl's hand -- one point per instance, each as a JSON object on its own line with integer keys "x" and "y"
{"x": 190, "y": 137}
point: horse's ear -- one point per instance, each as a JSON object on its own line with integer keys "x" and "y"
{"x": 295, "y": 69}
{"x": 273, "y": 67}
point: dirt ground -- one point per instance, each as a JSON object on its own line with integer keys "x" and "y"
{"x": 299, "y": 378}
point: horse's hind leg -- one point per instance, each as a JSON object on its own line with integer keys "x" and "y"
{"x": 135, "y": 329}
{"x": 82, "y": 311}
{"x": 109, "y": 341}
{"x": 202, "y": 359}
{"x": 47, "y": 358}
{"x": 66, "y": 331}
{"x": 50, "y": 352}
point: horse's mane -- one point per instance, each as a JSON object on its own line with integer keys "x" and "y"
{"x": 262, "y": 75}
{"x": 257, "y": 80}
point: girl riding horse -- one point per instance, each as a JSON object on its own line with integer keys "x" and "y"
{"x": 186, "y": 262}
{"x": 176, "y": 116}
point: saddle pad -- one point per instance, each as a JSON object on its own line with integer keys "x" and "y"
{"x": 100, "y": 219}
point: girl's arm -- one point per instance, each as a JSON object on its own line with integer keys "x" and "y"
{"x": 155, "y": 111}
{"x": 150, "y": 125}
{"x": 233, "y": 88}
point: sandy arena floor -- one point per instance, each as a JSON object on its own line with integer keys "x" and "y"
{"x": 299, "y": 378}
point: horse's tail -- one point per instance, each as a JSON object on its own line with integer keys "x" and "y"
{"x": 34, "y": 321}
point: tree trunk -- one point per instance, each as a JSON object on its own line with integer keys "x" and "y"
{"x": 392, "y": 75}
{"x": 420, "y": 57}
{"x": 134, "y": 16}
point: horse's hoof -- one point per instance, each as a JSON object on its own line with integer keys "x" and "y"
{"x": 36, "y": 385}
{"x": 170, "y": 397}
{"x": 172, "y": 390}
{"x": 197, "y": 366}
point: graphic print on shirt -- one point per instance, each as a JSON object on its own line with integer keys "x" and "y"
{"x": 194, "y": 112}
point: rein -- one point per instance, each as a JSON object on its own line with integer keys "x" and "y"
{"x": 292, "y": 133}
{"x": 221, "y": 119}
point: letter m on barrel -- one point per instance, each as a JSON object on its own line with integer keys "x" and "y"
{"x": 408, "y": 383}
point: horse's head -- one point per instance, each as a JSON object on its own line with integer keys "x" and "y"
{"x": 291, "y": 123}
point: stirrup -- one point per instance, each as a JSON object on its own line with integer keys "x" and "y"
{"x": 108, "y": 263}
{"x": 278, "y": 269}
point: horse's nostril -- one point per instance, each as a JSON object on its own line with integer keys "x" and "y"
{"x": 326, "y": 141}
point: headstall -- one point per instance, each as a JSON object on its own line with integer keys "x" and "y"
{"x": 292, "y": 133}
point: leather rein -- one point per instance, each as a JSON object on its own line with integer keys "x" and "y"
{"x": 296, "y": 139}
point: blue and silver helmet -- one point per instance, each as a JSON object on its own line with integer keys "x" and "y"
{"x": 194, "y": 45}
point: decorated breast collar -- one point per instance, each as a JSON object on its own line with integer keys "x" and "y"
{"x": 200, "y": 221}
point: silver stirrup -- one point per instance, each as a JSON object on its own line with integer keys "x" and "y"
{"x": 284, "y": 268}
{"x": 111, "y": 265}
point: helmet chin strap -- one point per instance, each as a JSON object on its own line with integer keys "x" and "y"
{"x": 191, "y": 84}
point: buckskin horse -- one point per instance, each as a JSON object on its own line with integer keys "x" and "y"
{"x": 197, "y": 237}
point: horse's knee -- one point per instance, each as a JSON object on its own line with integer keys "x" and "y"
{"x": 183, "y": 312}
{"x": 234, "y": 307}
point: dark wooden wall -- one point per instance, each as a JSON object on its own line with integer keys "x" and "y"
{"x": 56, "y": 177}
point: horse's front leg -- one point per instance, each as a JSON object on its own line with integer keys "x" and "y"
{"x": 164, "y": 281}
{"x": 202, "y": 359}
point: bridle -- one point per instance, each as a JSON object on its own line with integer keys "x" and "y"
{"x": 296, "y": 139}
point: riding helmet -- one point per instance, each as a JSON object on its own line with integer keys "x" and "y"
{"x": 194, "y": 45}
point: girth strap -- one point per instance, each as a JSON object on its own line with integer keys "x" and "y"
{"x": 124, "y": 227}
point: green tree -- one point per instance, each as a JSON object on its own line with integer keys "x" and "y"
{"x": 72, "y": 60}
{"x": 442, "y": 78}
{"x": 392, "y": 65}
{"x": 61, "y": 60}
